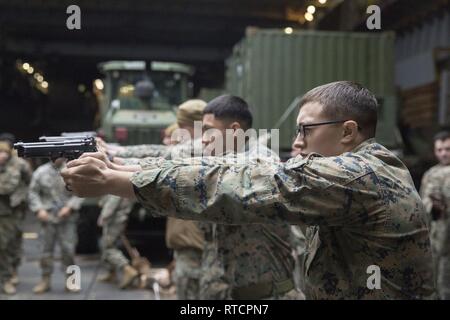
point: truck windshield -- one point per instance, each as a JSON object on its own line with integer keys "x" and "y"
{"x": 148, "y": 91}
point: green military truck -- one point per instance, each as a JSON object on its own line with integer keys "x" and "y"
{"x": 140, "y": 99}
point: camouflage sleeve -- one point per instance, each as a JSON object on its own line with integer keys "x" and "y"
{"x": 154, "y": 163}
{"x": 20, "y": 195}
{"x": 110, "y": 206}
{"x": 75, "y": 203}
{"x": 11, "y": 178}
{"x": 144, "y": 150}
{"x": 311, "y": 190}
{"x": 176, "y": 153}
{"x": 426, "y": 188}
{"x": 131, "y": 161}
{"x": 34, "y": 197}
{"x": 26, "y": 172}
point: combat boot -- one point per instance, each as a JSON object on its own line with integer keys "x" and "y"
{"x": 128, "y": 275}
{"x": 9, "y": 288}
{"x": 43, "y": 285}
{"x": 108, "y": 277}
{"x": 14, "y": 279}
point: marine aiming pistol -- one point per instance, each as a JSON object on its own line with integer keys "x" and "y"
{"x": 58, "y": 147}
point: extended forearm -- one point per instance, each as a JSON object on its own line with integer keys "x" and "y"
{"x": 126, "y": 168}
{"x": 119, "y": 184}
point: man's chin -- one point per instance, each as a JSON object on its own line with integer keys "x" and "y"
{"x": 304, "y": 154}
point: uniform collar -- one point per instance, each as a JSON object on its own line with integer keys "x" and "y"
{"x": 365, "y": 144}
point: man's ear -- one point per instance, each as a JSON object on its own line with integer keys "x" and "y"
{"x": 350, "y": 131}
{"x": 235, "y": 125}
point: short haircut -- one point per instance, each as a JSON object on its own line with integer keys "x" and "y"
{"x": 346, "y": 100}
{"x": 441, "y": 136}
{"x": 232, "y": 108}
{"x": 8, "y": 137}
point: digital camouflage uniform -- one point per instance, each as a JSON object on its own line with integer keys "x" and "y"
{"x": 15, "y": 176}
{"x": 238, "y": 262}
{"x": 144, "y": 150}
{"x": 188, "y": 256}
{"x": 436, "y": 224}
{"x": 361, "y": 207}
{"x": 115, "y": 213}
{"x": 248, "y": 261}
{"x": 436, "y": 181}
{"x": 47, "y": 191}
{"x": 443, "y": 277}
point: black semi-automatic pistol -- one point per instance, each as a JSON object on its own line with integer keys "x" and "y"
{"x": 69, "y": 148}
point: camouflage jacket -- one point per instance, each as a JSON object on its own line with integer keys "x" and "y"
{"x": 15, "y": 176}
{"x": 48, "y": 192}
{"x": 436, "y": 181}
{"x": 144, "y": 150}
{"x": 362, "y": 208}
{"x": 429, "y": 184}
{"x": 432, "y": 184}
{"x": 445, "y": 249}
{"x": 238, "y": 256}
{"x": 181, "y": 150}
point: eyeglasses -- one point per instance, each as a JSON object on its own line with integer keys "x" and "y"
{"x": 300, "y": 130}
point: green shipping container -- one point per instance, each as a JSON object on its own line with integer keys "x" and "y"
{"x": 269, "y": 69}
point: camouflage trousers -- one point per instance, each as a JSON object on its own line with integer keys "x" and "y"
{"x": 112, "y": 256}
{"x": 440, "y": 262}
{"x": 213, "y": 285}
{"x": 8, "y": 247}
{"x": 65, "y": 234}
{"x": 443, "y": 278}
{"x": 17, "y": 249}
{"x": 293, "y": 294}
{"x": 187, "y": 273}
{"x": 437, "y": 233}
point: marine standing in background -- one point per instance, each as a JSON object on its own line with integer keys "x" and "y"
{"x": 431, "y": 187}
{"x": 15, "y": 175}
{"x": 57, "y": 210}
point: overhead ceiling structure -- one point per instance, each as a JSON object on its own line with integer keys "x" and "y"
{"x": 199, "y": 32}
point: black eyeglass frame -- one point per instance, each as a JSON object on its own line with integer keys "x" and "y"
{"x": 301, "y": 128}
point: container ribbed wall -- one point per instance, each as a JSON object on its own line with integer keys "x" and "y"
{"x": 270, "y": 69}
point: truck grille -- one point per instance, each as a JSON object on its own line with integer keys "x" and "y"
{"x": 143, "y": 136}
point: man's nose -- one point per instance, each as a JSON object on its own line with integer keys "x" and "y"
{"x": 206, "y": 139}
{"x": 299, "y": 143}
